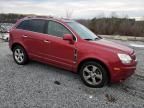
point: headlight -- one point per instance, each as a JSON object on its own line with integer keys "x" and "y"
{"x": 125, "y": 59}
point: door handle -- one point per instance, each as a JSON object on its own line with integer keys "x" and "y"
{"x": 25, "y": 36}
{"x": 47, "y": 41}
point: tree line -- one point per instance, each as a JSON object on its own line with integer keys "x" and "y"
{"x": 115, "y": 26}
{"x": 105, "y": 26}
{"x": 10, "y": 18}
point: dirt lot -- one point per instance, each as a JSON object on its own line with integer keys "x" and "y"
{"x": 38, "y": 85}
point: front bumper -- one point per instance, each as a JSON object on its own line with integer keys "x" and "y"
{"x": 123, "y": 72}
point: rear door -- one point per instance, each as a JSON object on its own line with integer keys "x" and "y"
{"x": 33, "y": 36}
{"x": 59, "y": 51}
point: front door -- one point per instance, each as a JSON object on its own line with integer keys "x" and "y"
{"x": 60, "y": 51}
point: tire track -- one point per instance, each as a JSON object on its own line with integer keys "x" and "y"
{"x": 136, "y": 88}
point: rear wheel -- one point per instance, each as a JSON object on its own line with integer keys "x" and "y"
{"x": 20, "y": 56}
{"x": 93, "y": 74}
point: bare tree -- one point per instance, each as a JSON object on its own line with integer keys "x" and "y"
{"x": 113, "y": 15}
{"x": 0, "y": 25}
{"x": 69, "y": 13}
{"x": 101, "y": 15}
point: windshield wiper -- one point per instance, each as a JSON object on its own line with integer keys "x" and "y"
{"x": 97, "y": 38}
{"x": 88, "y": 39}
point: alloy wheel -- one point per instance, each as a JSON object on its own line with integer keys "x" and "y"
{"x": 19, "y": 55}
{"x": 92, "y": 74}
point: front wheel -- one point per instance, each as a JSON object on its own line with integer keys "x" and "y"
{"x": 93, "y": 74}
{"x": 20, "y": 56}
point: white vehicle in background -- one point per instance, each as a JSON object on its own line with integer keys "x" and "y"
{"x": 5, "y": 36}
{"x": 4, "y": 31}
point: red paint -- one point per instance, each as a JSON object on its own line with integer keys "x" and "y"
{"x": 60, "y": 52}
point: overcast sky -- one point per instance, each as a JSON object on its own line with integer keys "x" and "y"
{"x": 80, "y": 8}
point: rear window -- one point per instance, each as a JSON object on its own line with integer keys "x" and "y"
{"x": 34, "y": 25}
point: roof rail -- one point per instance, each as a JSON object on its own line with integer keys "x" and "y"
{"x": 35, "y": 16}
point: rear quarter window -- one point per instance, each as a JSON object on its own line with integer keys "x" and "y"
{"x": 23, "y": 25}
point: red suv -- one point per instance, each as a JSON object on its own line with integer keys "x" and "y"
{"x": 67, "y": 44}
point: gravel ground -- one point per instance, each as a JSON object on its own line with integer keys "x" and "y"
{"x": 38, "y": 85}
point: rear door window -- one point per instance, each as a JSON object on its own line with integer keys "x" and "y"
{"x": 37, "y": 25}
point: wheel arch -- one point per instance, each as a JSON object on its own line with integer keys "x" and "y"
{"x": 16, "y": 44}
{"x": 95, "y": 60}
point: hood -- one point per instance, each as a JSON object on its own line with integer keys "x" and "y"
{"x": 113, "y": 46}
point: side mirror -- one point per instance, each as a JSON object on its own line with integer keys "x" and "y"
{"x": 69, "y": 38}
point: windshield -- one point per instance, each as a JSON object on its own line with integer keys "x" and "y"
{"x": 82, "y": 31}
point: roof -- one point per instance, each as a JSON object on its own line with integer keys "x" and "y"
{"x": 49, "y": 17}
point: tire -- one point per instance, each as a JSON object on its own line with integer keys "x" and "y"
{"x": 20, "y": 56}
{"x": 93, "y": 74}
